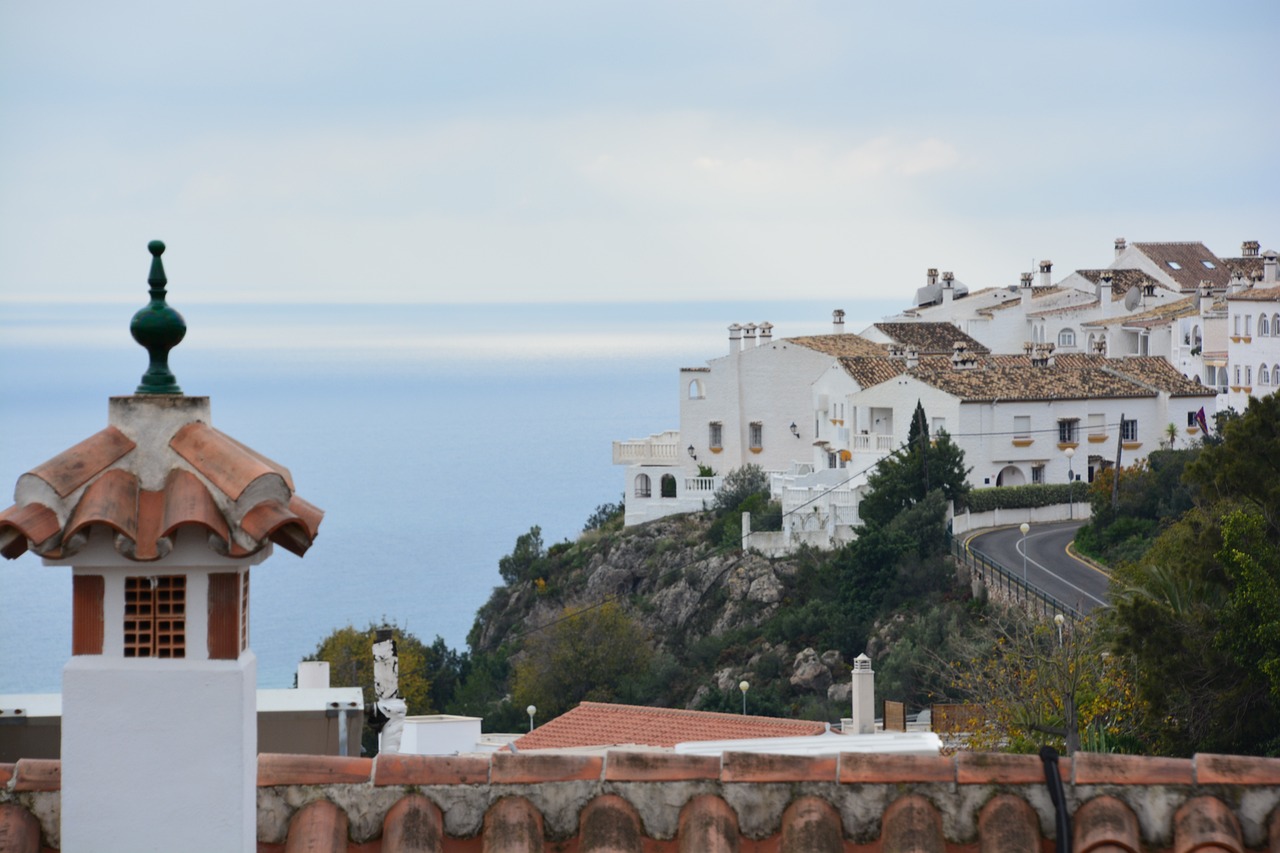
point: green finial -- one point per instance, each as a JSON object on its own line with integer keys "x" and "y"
{"x": 158, "y": 328}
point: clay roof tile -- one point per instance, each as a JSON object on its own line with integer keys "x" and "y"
{"x": 74, "y": 467}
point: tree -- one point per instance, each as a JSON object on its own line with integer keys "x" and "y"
{"x": 1246, "y": 464}
{"x": 1048, "y": 682}
{"x": 526, "y": 561}
{"x": 904, "y": 477}
{"x": 590, "y": 653}
{"x": 349, "y": 652}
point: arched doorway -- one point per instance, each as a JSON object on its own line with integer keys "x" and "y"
{"x": 668, "y": 486}
{"x": 644, "y": 488}
{"x": 1010, "y": 475}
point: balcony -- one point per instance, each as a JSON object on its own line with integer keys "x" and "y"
{"x": 660, "y": 449}
{"x": 871, "y": 443}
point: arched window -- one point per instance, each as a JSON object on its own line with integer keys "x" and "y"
{"x": 1275, "y": 326}
{"x": 1264, "y": 326}
{"x": 1264, "y": 375}
{"x": 1196, "y": 340}
{"x": 668, "y": 486}
{"x": 644, "y": 489}
{"x": 695, "y": 390}
{"x": 1067, "y": 338}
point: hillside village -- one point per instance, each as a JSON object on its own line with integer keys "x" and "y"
{"x": 1041, "y": 381}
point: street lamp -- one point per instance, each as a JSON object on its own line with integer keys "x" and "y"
{"x": 1058, "y": 620}
{"x": 1024, "y": 527}
{"x": 531, "y": 710}
{"x": 1071, "y": 485}
{"x": 744, "y": 687}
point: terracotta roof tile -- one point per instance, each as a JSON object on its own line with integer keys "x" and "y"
{"x": 74, "y": 467}
{"x": 1249, "y": 268}
{"x": 20, "y": 524}
{"x": 838, "y": 345}
{"x": 1015, "y": 298}
{"x": 1256, "y": 294}
{"x": 1007, "y": 379}
{"x": 1122, "y": 281}
{"x": 1159, "y": 315}
{"x": 1190, "y": 260}
{"x": 930, "y": 338}
{"x": 1155, "y": 372}
{"x": 602, "y": 724}
{"x": 872, "y": 370}
{"x": 227, "y": 463}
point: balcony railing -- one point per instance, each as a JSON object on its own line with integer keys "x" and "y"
{"x": 661, "y": 449}
{"x": 871, "y": 443}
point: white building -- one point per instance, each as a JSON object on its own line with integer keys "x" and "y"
{"x": 1253, "y": 338}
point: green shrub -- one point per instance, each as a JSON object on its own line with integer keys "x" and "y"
{"x": 1024, "y": 497}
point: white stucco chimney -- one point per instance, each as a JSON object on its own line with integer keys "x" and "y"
{"x": 837, "y": 322}
{"x": 766, "y": 333}
{"x": 1121, "y": 245}
{"x": 1104, "y": 294}
{"x": 1269, "y": 268}
{"x": 735, "y": 339}
{"x": 931, "y": 278}
{"x": 948, "y": 287}
{"x": 1238, "y": 283}
{"x": 864, "y": 697}
{"x": 913, "y": 357}
{"x": 1249, "y": 249}
{"x": 1046, "y": 270}
{"x": 1024, "y": 289}
{"x": 1206, "y": 298}
{"x": 749, "y": 336}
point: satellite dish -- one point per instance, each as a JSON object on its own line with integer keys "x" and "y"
{"x": 1132, "y": 299}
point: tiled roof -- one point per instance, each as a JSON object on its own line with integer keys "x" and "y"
{"x": 1250, "y": 268}
{"x": 603, "y": 724}
{"x": 1157, "y": 373}
{"x": 1122, "y": 281}
{"x": 637, "y": 801}
{"x": 1073, "y": 376}
{"x": 1015, "y": 297}
{"x": 868, "y": 370}
{"x": 929, "y": 338}
{"x": 839, "y": 345}
{"x": 1185, "y": 263}
{"x": 1157, "y": 316}
{"x": 1256, "y": 294}
{"x": 184, "y": 474}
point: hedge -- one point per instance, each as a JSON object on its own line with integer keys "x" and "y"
{"x": 1024, "y": 497}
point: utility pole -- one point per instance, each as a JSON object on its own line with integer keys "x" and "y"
{"x": 1115, "y": 480}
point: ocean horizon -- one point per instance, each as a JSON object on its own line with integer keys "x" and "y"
{"x": 431, "y": 436}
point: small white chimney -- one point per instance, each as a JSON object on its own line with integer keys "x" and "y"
{"x": 1046, "y": 269}
{"x": 313, "y": 674}
{"x": 1104, "y": 294}
{"x": 864, "y": 697}
{"x": 837, "y": 322}
{"x": 735, "y": 339}
{"x": 948, "y": 287}
{"x": 1121, "y": 245}
{"x": 1024, "y": 289}
{"x": 1249, "y": 249}
{"x": 1206, "y": 297}
{"x": 931, "y": 277}
{"x": 766, "y": 333}
{"x": 1269, "y": 268}
{"x": 913, "y": 357}
{"x": 749, "y": 336}
{"x": 1238, "y": 283}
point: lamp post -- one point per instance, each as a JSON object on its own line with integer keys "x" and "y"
{"x": 1024, "y": 527}
{"x": 1058, "y": 620}
{"x": 1071, "y": 485}
{"x": 531, "y": 710}
{"x": 744, "y": 687}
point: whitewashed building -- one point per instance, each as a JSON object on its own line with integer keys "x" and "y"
{"x": 1253, "y": 338}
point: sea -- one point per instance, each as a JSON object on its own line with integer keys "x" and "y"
{"x": 431, "y": 435}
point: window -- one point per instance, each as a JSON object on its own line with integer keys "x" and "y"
{"x": 1264, "y": 327}
{"x": 939, "y": 425}
{"x": 756, "y": 435}
{"x": 155, "y": 616}
{"x": 1191, "y": 419}
{"x": 1129, "y": 430}
{"x": 1196, "y": 340}
{"x": 1235, "y": 325}
{"x": 668, "y": 486}
{"x": 831, "y": 460}
{"x": 1264, "y": 376}
{"x": 695, "y": 390}
{"x": 1237, "y": 382}
{"x": 1022, "y": 426}
{"x": 1067, "y": 338}
{"x": 1097, "y": 424}
{"x": 1172, "y": 265}
{"x": 1037, "y": 473}
{"x": 644, "y": 488}
{"x": 1208, "y": 265}
{"x": 715, "y": 435}
{"x": 1067, "y": 430}
{"x": 1248, "y": 325}
{"x": 1248, "y": 375}
{"x": 1275, "y": 325}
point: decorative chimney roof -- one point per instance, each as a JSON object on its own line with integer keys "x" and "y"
{"x": 1250, "y": 248}
{"x": 158, "y": 468}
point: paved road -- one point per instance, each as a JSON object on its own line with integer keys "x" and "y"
{"x": 1048, "y": 564}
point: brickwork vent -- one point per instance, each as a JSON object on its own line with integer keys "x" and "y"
{"x": 155, "y": 616}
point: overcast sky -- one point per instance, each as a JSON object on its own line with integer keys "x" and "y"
{"x": 560, "y": 150}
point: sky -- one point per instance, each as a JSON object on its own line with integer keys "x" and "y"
{"x": 565, "y": 151}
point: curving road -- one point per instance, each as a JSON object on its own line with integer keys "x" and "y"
{"x": 1049, "y": 565}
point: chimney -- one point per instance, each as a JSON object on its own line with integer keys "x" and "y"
{"x": 1046, "y": 268}
{"x": 766, "y": 333}
{"x": 948, "y": 287}
{"x": 1206, "y": 297}
{"x": 932, "y": 276}
{"x": 913, "y": 357}
{"x": 863, "y": 721}
{"x": 1024, "y": 289}
{"x": 1121, "y": 245}
{"x": 1042, "y": 355}
{"x": 1269, "y": 268}
{"x": 837, "y": 322}
{"x": 749, "y": 336}
{"x": 735, "y": 339}
{"x": 961, "y": 358}
{"x": 1249, "y": 249}
{"x": 1104, "y": 293}
{"x": 1238, "y": 283}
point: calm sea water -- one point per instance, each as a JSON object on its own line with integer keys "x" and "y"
{"x": 432, "y": 436}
